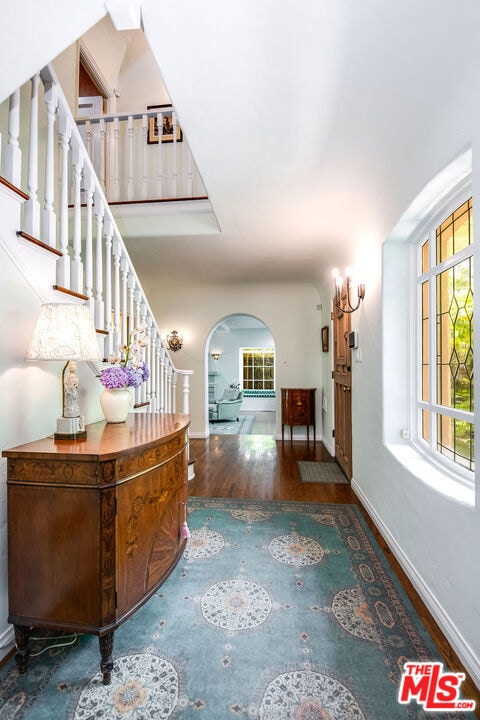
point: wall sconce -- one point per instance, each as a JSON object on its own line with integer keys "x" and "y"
{"x": 349, "y": 307}
{"x": 174, "y": 341}
{"x": 215, "y": 355}
{"x": 65, "y": 331}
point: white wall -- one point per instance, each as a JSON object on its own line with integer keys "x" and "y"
{"x": 30, "y": 393}
{"x": 124, "y": 61}
{"x": 288, "y": 310}
{"x": 432, "y": 527}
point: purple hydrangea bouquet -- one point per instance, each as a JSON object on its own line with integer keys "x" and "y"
{"x": 128, "y": 369}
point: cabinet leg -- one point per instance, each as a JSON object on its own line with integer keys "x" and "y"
{"x": 22, "y": 635}
{"x": 106, "y": 650}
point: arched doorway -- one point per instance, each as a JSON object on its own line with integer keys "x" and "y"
{"x": 240, "y": 356}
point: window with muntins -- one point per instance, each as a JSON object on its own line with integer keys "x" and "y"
{"x": 446, "y": 382}
{"x": 258, "y": 368}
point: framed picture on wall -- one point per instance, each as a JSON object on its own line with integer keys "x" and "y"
{"x": 167, "y": 126}
{"x": 325, "y": 338}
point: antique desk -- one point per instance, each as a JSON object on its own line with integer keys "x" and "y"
{"x": 94, "y": 526}
{"x": 298, "y": 408}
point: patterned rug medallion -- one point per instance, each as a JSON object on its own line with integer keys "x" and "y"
{"x": 276, "y": 611}
{"x": 242, "y": 426}
{"x": 312, "y": 471}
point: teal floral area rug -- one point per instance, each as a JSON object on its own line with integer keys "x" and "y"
{"x": 276, "y": 611}
{"x": 242, "y": 426}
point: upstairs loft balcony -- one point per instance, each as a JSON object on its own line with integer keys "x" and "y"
{"x": 145, "y": 173}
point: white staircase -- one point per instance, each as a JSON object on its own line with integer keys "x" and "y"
{"x": 66, "y": 228}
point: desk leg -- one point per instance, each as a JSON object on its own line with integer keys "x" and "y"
{"x": 22, "y": 635}
{"x": 106, "y": 651}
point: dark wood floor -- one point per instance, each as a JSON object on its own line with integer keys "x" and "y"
{"x": 262, "y": 468}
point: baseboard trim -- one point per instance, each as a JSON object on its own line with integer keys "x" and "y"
{"x": 457, "y": 641}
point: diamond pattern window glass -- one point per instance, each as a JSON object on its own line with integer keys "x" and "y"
{"x": 446, "y": 381}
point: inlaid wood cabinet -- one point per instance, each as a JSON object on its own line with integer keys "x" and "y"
{"x": 94, "y": 526}
{"x": 298, "y": 408}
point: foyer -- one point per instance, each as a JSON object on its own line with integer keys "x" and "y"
{"x": 326, "y": 134}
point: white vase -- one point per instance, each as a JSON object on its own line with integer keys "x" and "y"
{"x": 115, "y": 404}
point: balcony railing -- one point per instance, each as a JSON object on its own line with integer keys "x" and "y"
{"x": 135, "y": 162}
{"x": 67, "y": 212}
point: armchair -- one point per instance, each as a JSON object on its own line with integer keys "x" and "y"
{"x": 228, "y": 407}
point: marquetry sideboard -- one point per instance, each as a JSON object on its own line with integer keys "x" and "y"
{"x": 94, "y": 526}
{"x": 298, "y": 408}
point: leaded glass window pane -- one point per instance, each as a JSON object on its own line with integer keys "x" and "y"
{"x": 447, "y": 395}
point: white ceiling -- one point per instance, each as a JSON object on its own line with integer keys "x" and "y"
{"x": 314, "y": 123}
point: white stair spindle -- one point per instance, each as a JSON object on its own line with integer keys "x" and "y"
{"x": 13, "y": 153}
{"x": 31, "y": 216}
{"x": 108, "y": 285}
{"x": 174, "y": 391}
{"x": 186, "y": 393}
{"x": 145, "y": 158}
{"x": 102, "y": 169}
{"x": 160, "y": 157}
{"x": 76, "y": 267}
{"x": 131, "y": 154}
{"x": 116, "y": 254}
{"x": 63, "y": 263}
{"x": 137, "y": 301}
{"x": 156, "y": 365}
{"x": 49, "y": 217}
{"x": 161, "y": 380}
{"x": 189, "y": 188}
{"x": 89, "y": 187}
{"x": 169, "y": 388}
{"x": 124, "y": 301}
{"x": 116, "y": 160}
{"x": 131, "y": 304}
{"x": 143, "y": 315}
{"x": 153, "y": 370}
{"x": 174, "y": 157}
{"x": 99, "y": 210}
{"x": 88, "y": 141}
{"x": 147, "y": 386}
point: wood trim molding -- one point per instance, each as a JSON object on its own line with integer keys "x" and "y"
{"x": 39, "y": 243}
{"x": 14, "y": 188}
{"x": 61, "y": 289}
{"x": 444, "y": 645}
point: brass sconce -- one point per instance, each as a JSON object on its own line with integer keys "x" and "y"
{"x": 337, "y": 301}
{"x": 174, "y": 341}
{"x": 215, "y": 355}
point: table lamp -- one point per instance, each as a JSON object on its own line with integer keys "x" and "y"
{"x": 65, "y": 331}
